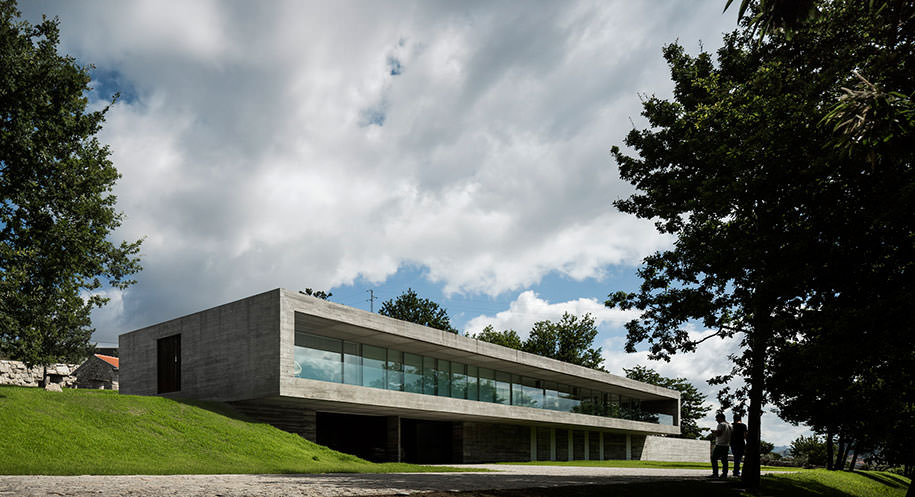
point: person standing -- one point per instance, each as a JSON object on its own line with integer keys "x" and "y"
{"x": 722, "y": 441}
{"x": 738, "y": 442}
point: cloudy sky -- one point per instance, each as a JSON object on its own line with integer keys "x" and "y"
{"x": 458, "y": 148}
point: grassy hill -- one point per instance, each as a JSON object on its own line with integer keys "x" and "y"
{"x": 101, "y": 432}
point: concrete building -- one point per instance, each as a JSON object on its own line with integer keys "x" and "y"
{"x": 389, "y": 390}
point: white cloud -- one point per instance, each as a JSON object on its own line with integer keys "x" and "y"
{"x": 271, "y": 145}
{"x": 528, "y": 308}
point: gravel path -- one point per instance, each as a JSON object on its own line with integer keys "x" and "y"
{"x": 507, "y": 477}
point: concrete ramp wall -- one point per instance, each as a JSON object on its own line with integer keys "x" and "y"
{"x": 675, "y": 449}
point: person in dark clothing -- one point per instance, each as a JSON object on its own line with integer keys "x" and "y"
{"x": 738, "y": 442}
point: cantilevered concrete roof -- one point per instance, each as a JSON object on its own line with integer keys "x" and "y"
{"x": 327, "y": 318}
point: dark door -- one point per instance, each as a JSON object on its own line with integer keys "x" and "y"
{"x": 168, "y": 355}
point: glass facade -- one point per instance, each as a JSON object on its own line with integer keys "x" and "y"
{"x": 329, "y": 359}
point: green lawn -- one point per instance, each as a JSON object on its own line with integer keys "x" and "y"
{"x": 820, "y": 482}
{"x": 642, "y": 464}
{"x": 101, "y": 432}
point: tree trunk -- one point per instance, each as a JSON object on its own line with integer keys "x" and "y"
{"x": 829, "y": 451}
{"x": 854, "y": 459}
{"x": 750, "y": 474}
{"x": 840, "y": 463}
{"x": 44, "y": 376}
{"x": 848, "y": 445}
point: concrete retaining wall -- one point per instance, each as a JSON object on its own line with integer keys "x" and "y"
{"x": 16, "y": 373}
{"x": 674, "y": 449}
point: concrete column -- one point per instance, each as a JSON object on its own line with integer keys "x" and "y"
{"x": 552, "y": 444}
{"x": 628, "y": 447}
{"x": 392, "y": 442}
{"x": 571, "y": 451}
{"x": 533, "y": 443}
{"x": 310, "y": 425}
{"x": 587, "y": 446}
{"x": 601, "y": 449}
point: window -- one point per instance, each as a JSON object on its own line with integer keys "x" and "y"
{"x": 318, "y": 358}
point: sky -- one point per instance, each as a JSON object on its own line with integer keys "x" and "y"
{"x": 457, "y": 148}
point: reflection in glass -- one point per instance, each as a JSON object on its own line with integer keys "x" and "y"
{"x": 373, "y": 366}
{"x": 412, "y": 373}
{"x": 352, "y": 364}
{"x": 318, "y": 358}
{"x": 503, "y": 394}
{"x": 487, "y": 385}
{"x": 429, "y": 375}
{"x": 550, "y": 396}
{"x": 458, "y": 381}
{"x": 395, "y": 370}
{"x": 443, "y": 378}
{"x": 472, "y": 383}
{"x": 533, "y": 391}
{"x": 329, "y": 359}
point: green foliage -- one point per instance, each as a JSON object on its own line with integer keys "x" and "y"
{"x": 793, "y": 224}
{"x": 809, "y": 451}
{"x": 410, "y": 307}
{"x": 80, "y": 432}
{"x": 505, "y": 338}
{"x": 692, "y": 401}
{"x": 766, "y": 447}
{"x": 56, "y": 207}
{"x": 320, "y": 294}
{"x": 569, "y": 340}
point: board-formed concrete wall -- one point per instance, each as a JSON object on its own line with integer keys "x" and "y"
{"x": 675, "y": 449}
{"x": 228, "y": 353}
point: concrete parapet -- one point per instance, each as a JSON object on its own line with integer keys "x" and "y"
{"x": 674, "y": 449}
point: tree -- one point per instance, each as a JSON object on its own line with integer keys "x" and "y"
{"x": 569, "y": 340}
{"x": 808, "y": 451}
{"x": 57, "y": 211}
{"x": 505, "y": 338}
{"x": 692, "y": 401}
{"x": 410, "y": 307}
{"x": 320, "y": 294}
{"x": 779, "y": 215}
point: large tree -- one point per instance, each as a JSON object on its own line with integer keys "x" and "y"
{"x": 571, "y": 340}
{"x": 692, "y": 401}
{"x": 505, "y": 338}
{"x": 57, "y": 211}
{"x": 777, "y": 215}
{"x": 409, "y": 306}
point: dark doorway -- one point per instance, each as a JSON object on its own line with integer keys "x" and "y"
{"x": 362, "y": 436}
{"x": 168, "y": 364}
{"x": 426, "y": 442}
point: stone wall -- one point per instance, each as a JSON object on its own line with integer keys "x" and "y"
{"x": 489, "y": 442}
{"x": 674, "y": 449}
{"x": 16, "y": 373}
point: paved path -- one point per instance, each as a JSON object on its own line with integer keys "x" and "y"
{"x": 508, "y": 476}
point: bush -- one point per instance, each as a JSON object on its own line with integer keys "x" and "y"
{"x": 808, "y": 451}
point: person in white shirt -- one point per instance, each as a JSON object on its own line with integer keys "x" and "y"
{"x": 722, "y": 442}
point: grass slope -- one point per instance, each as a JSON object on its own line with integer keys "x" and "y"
{"x": 102, "y": 432}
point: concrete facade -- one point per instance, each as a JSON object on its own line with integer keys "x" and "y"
{"x": 244, "y": 353}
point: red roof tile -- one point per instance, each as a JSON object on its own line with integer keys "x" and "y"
{"x": 110, "y": 360}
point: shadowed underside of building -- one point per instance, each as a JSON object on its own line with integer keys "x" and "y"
{"x": 389, "y": 390}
